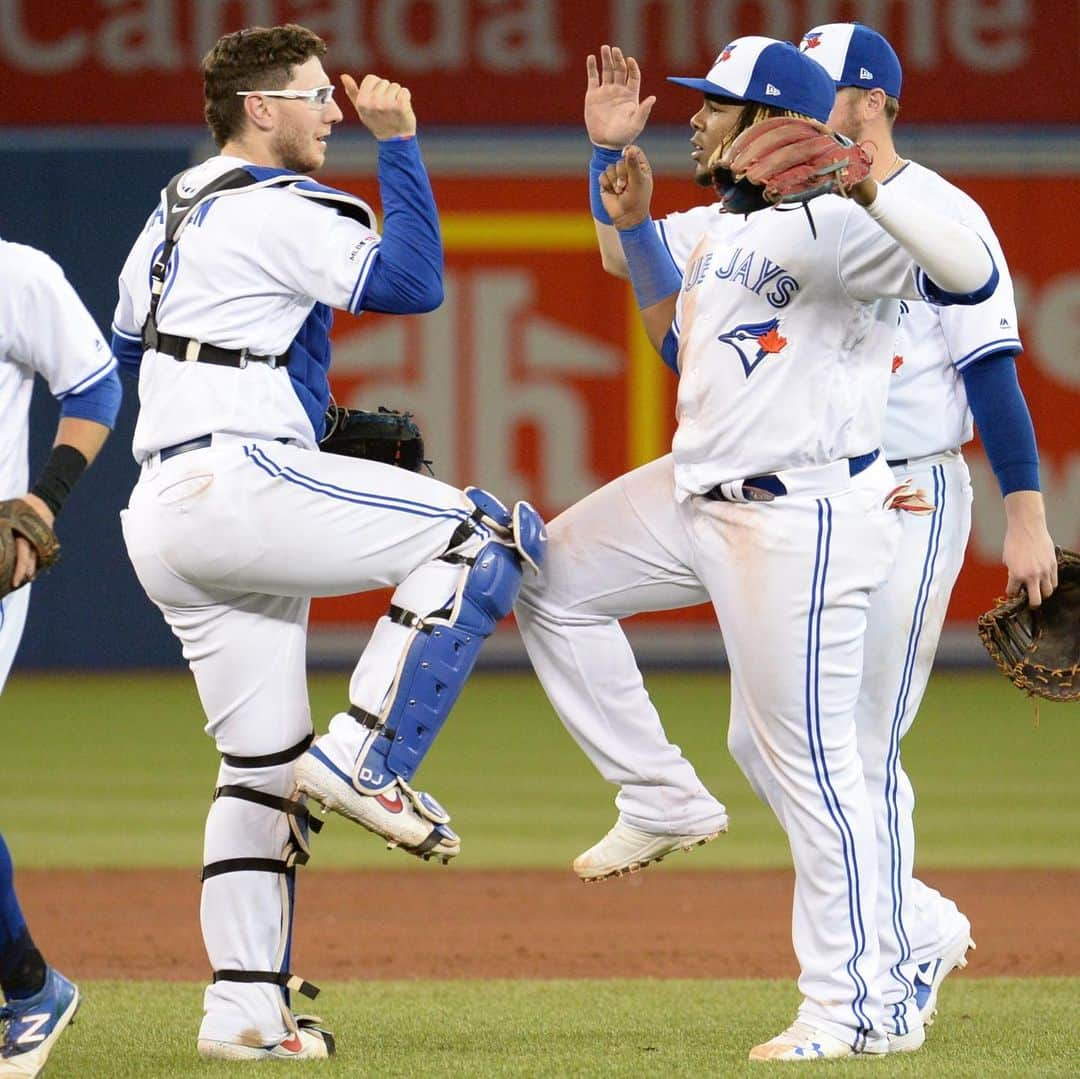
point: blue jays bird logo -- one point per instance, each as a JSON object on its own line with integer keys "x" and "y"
{"x": 725, "y": 54}
{"x": 811, "y": 41}
{"x": 766, "y": 335}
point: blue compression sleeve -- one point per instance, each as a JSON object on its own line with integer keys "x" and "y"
{"x": 1004, "y": 423}
{"x": 407, "y": 275}
{"x": 99, "y": 403}
{"x": 669, "y": 351}
{"x": 128, "y": 352}
{"x": 652, "y": 271}
{"x": 601, "y": 158}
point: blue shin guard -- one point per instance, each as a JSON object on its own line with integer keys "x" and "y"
{"x": 445, "y": 645}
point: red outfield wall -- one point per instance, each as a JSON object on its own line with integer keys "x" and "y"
{"x": 521, "y": 61}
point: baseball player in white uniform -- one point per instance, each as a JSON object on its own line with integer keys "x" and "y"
{"x": 776, "y": 506}
{"x": 44, "y": 330}
{"x": 237, "y": 520}
{"x": 943, "y": 356}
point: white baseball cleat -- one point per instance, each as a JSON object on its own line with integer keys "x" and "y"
{"x": 909, "y": 1042}
{"x": 930, "y": 975}
{"x": 626, "y": 850}
{"x": 411, "y": 820}
{"x": 803, "y": 1042}
{"x": 307, "y": 1042}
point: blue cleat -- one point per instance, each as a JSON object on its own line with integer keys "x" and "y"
{"x": 32, "y": 1026}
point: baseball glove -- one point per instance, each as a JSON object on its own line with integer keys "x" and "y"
{"x": 18, "y": 518}
{"x": 787, "y": 159}
{"x": 387, "y": 436}
{"x": 1038, "y": 648}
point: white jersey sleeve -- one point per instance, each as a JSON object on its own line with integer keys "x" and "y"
{"x": 927, "y": 407}
{"x": 45, "y": 326}
{"x": 681, "y": 231}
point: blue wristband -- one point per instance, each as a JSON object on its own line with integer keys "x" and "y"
{"x": 652, "y": 271}
{"x": 601, "y": 158}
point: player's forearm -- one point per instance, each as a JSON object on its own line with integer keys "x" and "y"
{"x": 952, "y": 255}
{"x": 1004, "y": 422}
{"x": 408, "y": 276}
{"x": 611, "y": 252}
{"x": 86, "y": 436}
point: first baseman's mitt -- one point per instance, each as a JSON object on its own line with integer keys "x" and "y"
{"x": 1038, "y": 648}
{"x": 387, "y": 436}
{"x": 18, "y": 518}
{"x": 787, "y": 159}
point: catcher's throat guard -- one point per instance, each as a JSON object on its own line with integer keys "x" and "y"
{"x": 445, "y": 644}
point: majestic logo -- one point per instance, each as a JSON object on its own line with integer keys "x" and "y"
{"x": 864, "y": 74}
{"x": 811, "y": 41}
{"x": 897, "y": 363}
{"x": 1004, "y": 324}
{"x": 725, "y": 54}
{"x": 771, "y": 91}
{"x": 766, "y": 335}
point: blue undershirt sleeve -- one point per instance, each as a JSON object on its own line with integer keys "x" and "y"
{"x": 99, "y": 403}
{"x": 669, "y": 351}
{"x": 128, "y": 352}
{"x": 652, "y": 271}
{"x": 1004, "y": 422}
{"x": 407, "y": 275}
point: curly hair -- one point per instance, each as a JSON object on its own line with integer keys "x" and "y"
{"x": 259, "y": 58}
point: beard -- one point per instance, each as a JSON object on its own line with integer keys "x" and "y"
{"x": 296, "y": 150}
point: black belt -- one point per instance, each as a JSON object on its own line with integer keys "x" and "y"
{"x": 774, "y": 487}
{"x": 199, "y": 443}
{"x": 898, "y": 462}
{"x": 184, "y": 348}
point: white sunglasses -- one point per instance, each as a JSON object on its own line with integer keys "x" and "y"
{"x": 318, "y": 98}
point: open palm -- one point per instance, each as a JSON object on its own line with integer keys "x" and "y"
{"x": 614, "y": 116}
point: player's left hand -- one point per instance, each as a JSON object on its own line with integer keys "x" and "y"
{"x": 1028, "y": 553}
{"x": 384, "y": 107}
{"x": 626, "y": 188}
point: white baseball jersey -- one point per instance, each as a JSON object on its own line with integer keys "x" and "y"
{"x": 927, "y": 410}
{"x": 767, "y": 342}
{"x": 45, "y": 330}
{"x": 240, "y": 284}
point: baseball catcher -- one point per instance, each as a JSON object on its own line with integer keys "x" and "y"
{"x": 1038, "y": 648}
{"x": 19, "y": 519}
{"x": 387, "y": 435}
{"x": 786, "y": 159}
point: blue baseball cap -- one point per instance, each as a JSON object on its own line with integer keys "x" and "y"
{"x": 854, "y": 55}
{"x": 768, "y": 72}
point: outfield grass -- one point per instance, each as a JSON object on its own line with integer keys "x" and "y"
{"x": 993, "y": 1027}
{"x": 102, "y": 771}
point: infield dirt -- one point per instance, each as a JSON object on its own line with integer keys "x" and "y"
{"x": 434, "y": 922}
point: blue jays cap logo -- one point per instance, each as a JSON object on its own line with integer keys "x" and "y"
{"x": 725, "y": 53}
{"x": 766, "y": 335}
{"x": 811, "y": 41}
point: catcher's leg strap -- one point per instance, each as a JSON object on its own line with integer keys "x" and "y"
{"x": 273, "y": 977}
{"x": 296, "y": 852}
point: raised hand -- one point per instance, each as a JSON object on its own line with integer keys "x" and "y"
{"x": 613, "y": 115}
{"x": 384, "y": 107}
